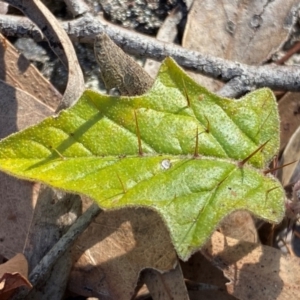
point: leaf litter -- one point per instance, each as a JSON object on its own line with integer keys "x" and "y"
{"x": 195, "y": 254}
{"x": 20, "y": 107}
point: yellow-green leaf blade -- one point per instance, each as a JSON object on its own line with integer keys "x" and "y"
{"x": 175, "y": 149}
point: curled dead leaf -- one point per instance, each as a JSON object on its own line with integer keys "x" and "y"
{"x": 13, "y": 274}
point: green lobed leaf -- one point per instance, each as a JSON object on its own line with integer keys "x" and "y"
{"x": 191, "y": 142}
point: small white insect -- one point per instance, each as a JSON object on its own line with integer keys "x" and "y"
{"x": 166, "y": 164}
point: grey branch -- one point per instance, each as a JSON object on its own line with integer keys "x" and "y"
{"x": 273, "y": 76}
{"x": 85, "y": 28}
{"x": 63, "y": 244}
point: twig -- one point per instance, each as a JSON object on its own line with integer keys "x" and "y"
{"x": 235, "y": 87}
{"x": 85, "y": 28}
{"x": 275, "y": 77}
{"x": 65, "y": 242}
{"x": 19, "y": 26}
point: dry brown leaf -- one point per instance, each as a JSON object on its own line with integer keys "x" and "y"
{"x": 112, "y": 252}
{"x": 254, "y": 271}
{"x": 17, "y": 71}
{"x": 16, "y": 264}
{"x": 240, "y": 225}
{"x": 142, "y": 294}
{"x": 208, "y": 281}
{"x": 3, "y": 8}
{"x": 10, "y": 284}
{"x": 18, "y": 110}
{"x": 244, "y": 31}
{"x": 168, "y": 286}
{"x": 16, "y": 200}
{"x": 291, "y": 174}
{"x": 13, "y": 274}
{"x": 61, "y": 45}
{"x": 289, "y": 112}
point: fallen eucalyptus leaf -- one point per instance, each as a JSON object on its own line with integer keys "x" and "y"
{"x": 16, "y": 70}
{"x": 18, "y": 110}
{"x": 243, "y": 31}
{"x": 289, "y": 110}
